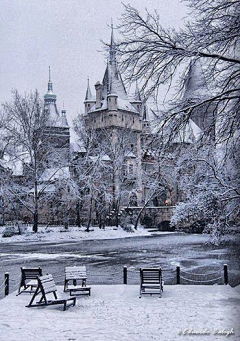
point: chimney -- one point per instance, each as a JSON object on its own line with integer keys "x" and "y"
{"x": 98, "y": 87}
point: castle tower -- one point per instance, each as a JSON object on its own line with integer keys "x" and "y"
{"x": 56, "y": 134}
{"x": 141, "y": 107}
{"x": 113, "y": 110}
{"x": 89, "y": 99}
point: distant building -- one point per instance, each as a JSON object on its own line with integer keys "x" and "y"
{"x": 111, "y": 111}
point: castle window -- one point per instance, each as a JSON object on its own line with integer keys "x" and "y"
{"x": 122, "y": 117}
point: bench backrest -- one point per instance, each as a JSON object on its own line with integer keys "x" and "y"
{"x": 151, "y": 275}
{"x": 47, "y": 284}
{"x": 75, "y": 272}
{"x": 31, "y": 273}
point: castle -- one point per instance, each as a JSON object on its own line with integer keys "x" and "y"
{"x": 112, "y": 112}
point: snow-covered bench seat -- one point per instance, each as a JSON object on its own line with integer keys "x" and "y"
{"x": 151, "y": 281}
{"x": 46, "y": 286}
{"x": 74, "y": 275}
{"x": 28, "y": 282}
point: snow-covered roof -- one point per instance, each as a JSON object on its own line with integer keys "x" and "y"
{"x": 130, "y": 155}
{"x": 52, "y": 174}
{"x": 195, "y": 83}
{"x": 50, "y": 188}
{"x": 89, "y": 96}
{"x": 112, "y": 84}
{"x": 189, "y": 133}
{"x": 104, "y": 157}
{"x": 15, "y": 163}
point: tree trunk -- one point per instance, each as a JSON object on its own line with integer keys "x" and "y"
{"x": 141, "y": 211}
{"x": 78, "y": 220}
{"x": 35, "y": 214}
{"x": 90, "y": 216}
{"x": 138, "y": 217}
{"x": 35, "y": 221}
{"x": 3, "y": 211}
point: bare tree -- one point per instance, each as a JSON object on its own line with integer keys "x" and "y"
{"x": 155, "y": 55}
{"x": 107, "y": 170}
{"x": 26, "y": 124}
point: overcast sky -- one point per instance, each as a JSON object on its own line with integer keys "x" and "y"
{"x": 65, "y": 34}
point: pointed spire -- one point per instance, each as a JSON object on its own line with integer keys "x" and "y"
{"x": 88, "y": 96}
{"x": 112, "y": 49}
{"x": 137, "y": 96}
{"x": 195, "y": 84}
{"x": 50, "y": 86}
{"x": 50, "y": 97}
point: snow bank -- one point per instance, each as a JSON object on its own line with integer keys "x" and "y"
{"x": 116, "y": 313}
{"x": 74, "y": 233}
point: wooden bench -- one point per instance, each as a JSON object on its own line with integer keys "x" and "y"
{"x": 29, "y": 281}
{"x": 74, "y": 275}
{"x": 46, "y": 285}
{"x": 151, "y": 281}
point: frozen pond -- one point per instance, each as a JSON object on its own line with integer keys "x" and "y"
{"x": 105, "y": 258}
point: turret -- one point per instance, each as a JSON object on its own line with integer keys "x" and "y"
{"x": 50, "y": 105}
{"x": 89, "y": 100}
{"x": 137, "y": 101}
{"x": 64, "y": 122}
{"x": 112, "y": 102}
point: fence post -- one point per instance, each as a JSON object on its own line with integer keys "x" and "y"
{"x": 124, "y": 275}
{"x": 178, "y": 274}
{"x": 6, "y": 283}
{"x": 225, "y": 270}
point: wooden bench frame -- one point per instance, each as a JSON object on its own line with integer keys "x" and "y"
{"x": 75, "y": 274}
{"x": 46, "y": 285}
{"x": 151, "y": 282}
{"x": 29, "y": 280}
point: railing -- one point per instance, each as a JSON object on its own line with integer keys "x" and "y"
{"x": 130, "y": 275}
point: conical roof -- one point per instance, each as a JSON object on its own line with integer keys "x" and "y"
{"x": 112, "y": 80}
{"x": 195, "y": 84}
{"x": 50, "y": 106}
{"x": 137, "y": 95}
{"x": 50, "y": 96}
{"x": 88, "y": 96}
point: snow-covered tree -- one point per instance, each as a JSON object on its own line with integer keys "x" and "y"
{"x": 154, "y": 55}
{"x": 25, "y": 123}
{"x": 108, "y": 169}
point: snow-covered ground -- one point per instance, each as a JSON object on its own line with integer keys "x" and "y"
{"x": 58, "y": 233}
{"x": 116, "y": 313}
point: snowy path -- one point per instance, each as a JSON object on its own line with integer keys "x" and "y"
{"x": 116, "y": 313}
